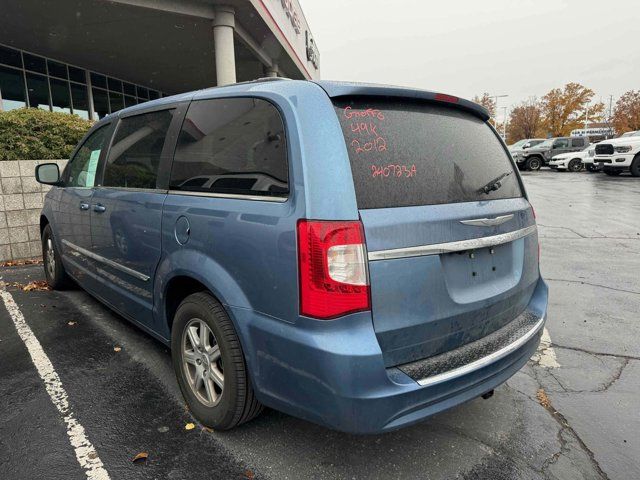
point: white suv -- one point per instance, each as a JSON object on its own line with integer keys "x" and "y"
{"x": 620, "y": 154}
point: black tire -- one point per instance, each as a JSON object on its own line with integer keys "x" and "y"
{"x": 575, "y": 165}
{"x": 612, "y": 172}
{"x": 236, "y": 403}
{"x": 54, "y": 272}
{"x": 534, "y": 163}
{"x": 635, "y": 166}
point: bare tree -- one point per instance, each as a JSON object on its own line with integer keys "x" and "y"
{"x": 488, "y": 102}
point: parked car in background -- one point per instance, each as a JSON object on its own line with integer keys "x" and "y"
{"x": 620, "y": 154}
{"x": 571, "y": 161}
{"x": 524, "y": 143}
{"x": 338, "y": 277}
{"x": 535, "y": 157}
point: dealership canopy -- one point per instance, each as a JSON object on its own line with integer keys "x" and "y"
{"x": 159, "y": 47}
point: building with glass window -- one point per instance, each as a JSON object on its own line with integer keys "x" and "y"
{"x": 94, "y": 57}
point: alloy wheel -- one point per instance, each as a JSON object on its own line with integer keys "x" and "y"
{"x": 202, "y": 362}
{"x": 50, "y": 259}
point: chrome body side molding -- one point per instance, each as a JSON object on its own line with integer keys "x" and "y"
{"x": 106, "y": 261}
{"x": 450, "y": 247}
{"x": 234, "y": 196}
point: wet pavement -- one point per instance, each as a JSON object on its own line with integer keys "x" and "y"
{"x": 571, "y": 413}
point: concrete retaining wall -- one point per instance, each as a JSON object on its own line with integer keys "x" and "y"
{"x": 20, "y": 205}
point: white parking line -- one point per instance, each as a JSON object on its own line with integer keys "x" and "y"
{"x": 546, "y": 355}
{"x": 85, "y": 451}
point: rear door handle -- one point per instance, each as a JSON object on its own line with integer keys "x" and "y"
{"x": 99, "y": 208}
{"x": 84, "y": 206}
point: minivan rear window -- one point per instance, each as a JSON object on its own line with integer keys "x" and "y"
{"x": 406, "y": 153}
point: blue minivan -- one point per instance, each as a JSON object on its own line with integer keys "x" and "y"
{"x": 359, "y": 256}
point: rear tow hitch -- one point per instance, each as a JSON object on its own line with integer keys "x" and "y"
{"x": 488, "y": 395}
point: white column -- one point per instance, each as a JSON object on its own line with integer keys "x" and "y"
{"x": 223, "y": 25}
{"x": 272, "y": 71}
{"x": 92, "y": 109}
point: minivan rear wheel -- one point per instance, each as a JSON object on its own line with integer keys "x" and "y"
{"x": 54, "y": 272}
{"x": 209, "y": 364}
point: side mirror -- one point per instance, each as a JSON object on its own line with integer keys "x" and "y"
{"x": 48, "y": 174}
{"x": 526, "y": 145}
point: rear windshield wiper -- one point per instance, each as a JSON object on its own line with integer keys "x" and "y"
{"x": 494, "y": 184}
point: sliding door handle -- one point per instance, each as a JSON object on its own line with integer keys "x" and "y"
{"x": 84, "y": 206}
{"x": 98, "y": 207}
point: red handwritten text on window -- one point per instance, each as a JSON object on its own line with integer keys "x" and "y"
{"x": 393, "y": 170}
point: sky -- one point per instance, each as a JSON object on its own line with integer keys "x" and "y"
{"x": 518, "y": 48}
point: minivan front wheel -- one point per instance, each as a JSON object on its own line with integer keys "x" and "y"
{"x": 54, "y": 272}
{"x": 209, "y": 364}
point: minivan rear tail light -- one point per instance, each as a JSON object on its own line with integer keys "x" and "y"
{"x": 332, "y": 264}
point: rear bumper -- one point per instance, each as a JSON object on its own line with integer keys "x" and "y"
{"x": 333, "y": 372}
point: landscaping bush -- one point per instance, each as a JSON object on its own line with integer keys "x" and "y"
{"x": 33, "y": 134}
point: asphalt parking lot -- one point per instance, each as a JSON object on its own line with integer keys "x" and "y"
{"x": 571, "y": 413}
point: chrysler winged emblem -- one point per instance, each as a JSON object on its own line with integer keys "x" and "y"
{"x": 488, "y": 222}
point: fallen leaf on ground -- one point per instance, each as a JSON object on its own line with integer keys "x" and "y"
{"x": 189, "y": 426}
{"x": 117, "y": 349}
{"x": 39, "y": 285}
{"x": 543, "y": 399}
{"x": 207, "y": 429}
{"x": 249, "y": 475}
{"x": 140, "y": 457}
{"x": 71, "y": 324}
{"x": 18, "y": 263}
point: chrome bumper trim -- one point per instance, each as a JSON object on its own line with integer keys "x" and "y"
{"x": 449, "y": 247}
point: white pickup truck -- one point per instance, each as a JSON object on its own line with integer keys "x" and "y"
{"x": 620, "y": 154}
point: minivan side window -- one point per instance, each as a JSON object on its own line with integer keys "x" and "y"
{"x": 84, "y": 164}
{"x": 232, "y": 146}
{"x": 577, "y": 142}
{"x": 134, "y": 156}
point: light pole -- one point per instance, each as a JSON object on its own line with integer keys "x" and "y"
{"x": 586, "y": 120}
{"x": 504, "y": 124}
{"x": 495, "y": 101}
